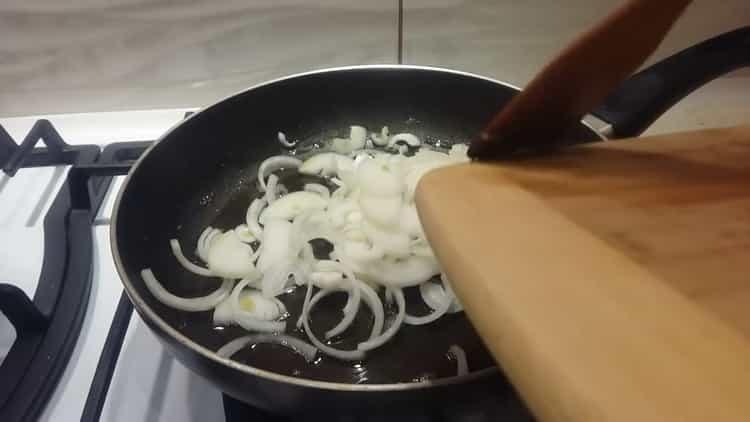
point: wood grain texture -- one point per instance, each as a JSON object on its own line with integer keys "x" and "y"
{"x": 610, "y": 282}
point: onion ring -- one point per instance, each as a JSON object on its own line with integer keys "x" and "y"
{"x": 391, "y": 331}
{"x": 462, "y": 365}
{"x": 192, "y": 304}
{"x": 274, "y": 163}
{"x": 308, "y": 351}
{"x": 193, "y": 268}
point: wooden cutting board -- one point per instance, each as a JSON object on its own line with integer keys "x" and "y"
{"x": 611, "y": 281}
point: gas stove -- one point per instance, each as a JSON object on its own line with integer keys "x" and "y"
{"x": 78, "y": 351}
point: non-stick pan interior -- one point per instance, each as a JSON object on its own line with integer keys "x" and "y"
{"x": 203, "y": 173}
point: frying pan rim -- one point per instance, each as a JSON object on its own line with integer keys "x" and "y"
{"x": 206, "y": 353}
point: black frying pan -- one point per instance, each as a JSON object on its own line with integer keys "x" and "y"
{"x": 203, "y": 172}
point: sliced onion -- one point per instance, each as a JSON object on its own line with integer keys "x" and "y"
{"x": 229, "y": 257}
{"x": 389, "y": 298}
{"x": 193, "y": 304}
{"x": 326, "y": 279}
{"x": 405, "y": 272}
{"x": 274, "y": 163}
{"x": 305, "y": 305}
{"x": 434, "y": 295}
{"x": 308, "y": 351}
{"x": 319, "y": 189}
{"x": 382, "y": 139}
{"x": 282, "y": 140}
{"x": 246, "y": 320}
{"x": 271, "y": 193}
{"x": 371, "y": 221}
{"x": 391, "y": 331}
{"x": 357, "y": 137}
{"x": 376, "y": 307}
{"x": 462, "y": 365}
{"x": 361, "y": 251}
{"x": 200, "y": 245}
{"x": 326, "y": 164}
{"x": 409, "y": 222}
{"x": 204, "y": 242}
{"x": 263, "y": 308}
{"x": 459, "y": 153}
{"x": 378, "y": 178}
{"x": 383, "y": 211}
{"x": 193, "y": 268}
{"x": 276, "y": 245}
{"x": 408, "y": 138}
{"x": 436, "y": 313}
{"x": 252, "y": 216}
{"x": 244, "y": 234}
{"x": 394, "y": 242}
{"x": 292, "y": 205}
{"x": 276, "y": 279}
{"x": 350, "y": 309}
{"x": 337, "y": 353}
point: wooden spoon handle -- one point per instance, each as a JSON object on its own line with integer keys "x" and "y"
{"x": 579, "y": 78}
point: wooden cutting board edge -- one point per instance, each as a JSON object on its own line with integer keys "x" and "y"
{"x": 646, "y": 352}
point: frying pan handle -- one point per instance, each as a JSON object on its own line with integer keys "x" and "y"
{"x": 645, "y": 96}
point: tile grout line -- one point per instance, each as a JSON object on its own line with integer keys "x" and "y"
{"x": 400, "y": 30}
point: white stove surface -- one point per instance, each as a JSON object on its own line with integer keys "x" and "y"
{"x": 148, "y": 384}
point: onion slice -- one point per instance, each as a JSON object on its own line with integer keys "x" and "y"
{"x": 192, "y": 304}
{"x": 376, "y": 307}
{"x": 292, "y": 205}
{"x": 244, "y": 234}
{"x": 271, "y": 186}
{"x": 434, "y": 315}
{"x": 382, "y": 139}
{"x": 391, "y": 331}
{"x": 200, "y": 245}
{"x": 308, "y": 351}
{"x": 305, "y": 305}
{"x": 274, "y": 163}
{"x": 350, "y": 309}
{"x": 283, "y": 141}
{"x": 337, "y": 353}
{"x": 321, "y": 190}
{"x": 462, "y": 365}
{"x": 326, "y": 164}
{"x": 407, "y": 138}
{"x": 252, "y": 217}
{"x": 245, "y": 319}
{"x": 193, "y": 268}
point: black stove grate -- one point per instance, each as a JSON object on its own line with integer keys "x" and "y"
{"x": 47, "y": 326}
{"x": 116, "y": 159}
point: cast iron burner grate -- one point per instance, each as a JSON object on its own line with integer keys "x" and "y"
{"x": 47, "y": 325}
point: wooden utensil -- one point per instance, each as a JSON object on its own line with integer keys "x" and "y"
{"x": 610, "y": 282}
{"x": 578, "y": 79}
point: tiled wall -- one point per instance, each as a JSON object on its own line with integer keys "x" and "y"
{"x": 94, "y": 55}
